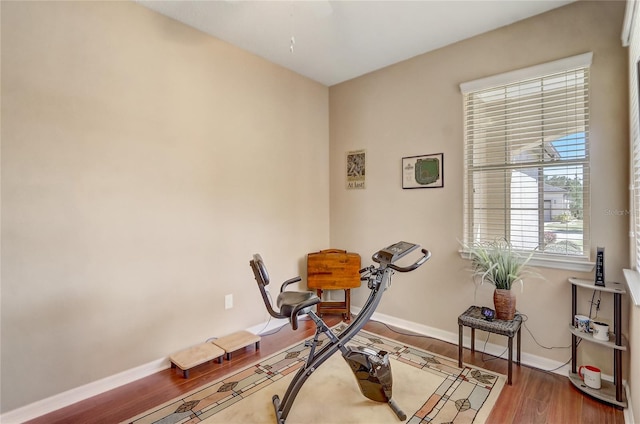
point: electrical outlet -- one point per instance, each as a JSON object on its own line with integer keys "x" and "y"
{"x": 228, "y": 301}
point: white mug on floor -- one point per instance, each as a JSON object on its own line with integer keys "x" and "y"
{"x": 600, "y": 331}
{"x": 590, "y": 375}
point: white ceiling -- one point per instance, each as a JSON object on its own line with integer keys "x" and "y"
{"x": 339, "y": 40}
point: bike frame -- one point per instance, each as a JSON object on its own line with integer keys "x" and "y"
{"x": 379, "y": 281}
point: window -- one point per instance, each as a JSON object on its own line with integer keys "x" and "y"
{"x": 527, "y": 159}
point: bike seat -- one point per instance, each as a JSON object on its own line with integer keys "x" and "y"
{"x": 290, "y": 303}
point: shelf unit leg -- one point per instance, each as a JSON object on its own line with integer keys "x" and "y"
{"x": 617, "y": 353}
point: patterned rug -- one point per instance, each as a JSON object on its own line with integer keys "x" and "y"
{"x": 428, "y": 387}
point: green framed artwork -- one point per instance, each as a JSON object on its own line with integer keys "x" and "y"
{"x": 424, "y": 171}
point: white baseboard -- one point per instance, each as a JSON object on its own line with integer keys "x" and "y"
{"x": 268, "y": 326}
{"x": 53, "y": 403}
{"x": 628, "y": 411}
{"x": 84, "y": 392}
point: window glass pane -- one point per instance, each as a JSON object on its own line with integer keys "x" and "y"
{"x": 524, "y": 208}
{"x": 564, "y": 215}
{"x": 572, "y": 146}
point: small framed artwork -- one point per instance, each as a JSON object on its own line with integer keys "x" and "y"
{"x": 356, "y": 169}
{"x": 424, "y": 171}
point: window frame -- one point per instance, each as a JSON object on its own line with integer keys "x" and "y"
{"x": 581, "y": 262}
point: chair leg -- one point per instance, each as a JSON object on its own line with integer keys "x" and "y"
{"x": 510, "y": 360}
{"x": 460, "y": 346}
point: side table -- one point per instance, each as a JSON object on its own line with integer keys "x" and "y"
{"x": 473, "y": 318}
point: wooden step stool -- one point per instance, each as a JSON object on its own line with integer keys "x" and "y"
{"x": 195, "y": 355}
{"x": 238, "y": 340}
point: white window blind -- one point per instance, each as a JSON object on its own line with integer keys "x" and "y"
{"x": 527, "y": 159}
{"x": 634, "y": 94}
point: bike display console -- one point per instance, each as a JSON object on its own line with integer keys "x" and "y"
{"x": 395, "y": 251}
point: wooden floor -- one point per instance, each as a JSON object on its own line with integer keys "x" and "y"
{"x": 535, "y": 396}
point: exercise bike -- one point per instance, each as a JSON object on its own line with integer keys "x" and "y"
{"x": 371, "y": 369}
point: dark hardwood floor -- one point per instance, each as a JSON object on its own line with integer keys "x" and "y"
{"x": 535, "y": 396}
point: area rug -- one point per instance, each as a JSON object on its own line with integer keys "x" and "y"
{"x": 429, "y": 388}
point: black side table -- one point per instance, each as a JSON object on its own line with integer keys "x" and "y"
{"x": 473, "y": 318}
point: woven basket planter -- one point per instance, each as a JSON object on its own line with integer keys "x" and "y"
{"x": 505, "y": 303}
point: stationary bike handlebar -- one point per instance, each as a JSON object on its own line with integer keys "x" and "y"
{"x": 425, "y": 257}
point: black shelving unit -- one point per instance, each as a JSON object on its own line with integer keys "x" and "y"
{"x": 610, "y": 393}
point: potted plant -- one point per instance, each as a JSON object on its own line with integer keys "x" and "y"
{"x": 497, "y": 263}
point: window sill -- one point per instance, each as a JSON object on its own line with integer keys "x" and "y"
{"x": 633, "y": 283}
{"x": 564, "y": 263}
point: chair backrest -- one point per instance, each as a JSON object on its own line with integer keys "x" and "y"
{"x": 262, "y": 278}
{"x": 260, "y": 270}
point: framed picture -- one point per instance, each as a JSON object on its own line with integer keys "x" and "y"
{"x": 356, "y": 169}
{"x": 424, "y": 171}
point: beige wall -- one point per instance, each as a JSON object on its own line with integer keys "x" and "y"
{"x": 415, "y": 107}
{"x": 142, "y": 164}
{"x": 634, "y": 121}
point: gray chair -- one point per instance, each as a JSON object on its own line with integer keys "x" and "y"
{"x": 290, "y": 303}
